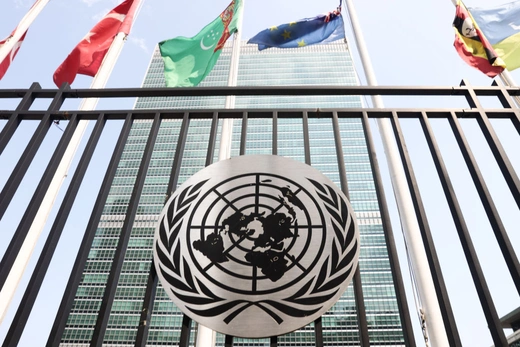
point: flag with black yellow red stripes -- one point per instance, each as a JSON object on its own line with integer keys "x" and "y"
{"x": 472, "y": 45}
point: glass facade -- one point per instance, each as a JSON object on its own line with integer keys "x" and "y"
{"x": 329, "y": 64}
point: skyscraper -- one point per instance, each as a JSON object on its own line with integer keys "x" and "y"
{"x": 329, "y": 64}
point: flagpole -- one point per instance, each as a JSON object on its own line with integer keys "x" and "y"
{"x": 205, "y": 336}
{"x": 227, "y": 124}
{"x": 434, "y": 322}
{"x": 22, "y": 27}
{"x": 24, "y": 255}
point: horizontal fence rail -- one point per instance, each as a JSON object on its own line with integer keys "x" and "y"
{"x": 12, "y": 121}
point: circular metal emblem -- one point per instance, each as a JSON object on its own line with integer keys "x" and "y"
{"x": 256, "y": 246}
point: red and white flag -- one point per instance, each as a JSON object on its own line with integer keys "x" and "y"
{"x": 87, "y": 56}
{"x": 4, "y": 65}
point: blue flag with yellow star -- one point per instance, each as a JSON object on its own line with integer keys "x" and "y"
{"x": 307, "y": 31}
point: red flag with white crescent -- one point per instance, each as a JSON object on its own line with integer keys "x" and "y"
{"x": 4, "y": 65}
{"x": 87, "y": 56}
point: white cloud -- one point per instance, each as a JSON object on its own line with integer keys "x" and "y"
{"x": 23, "y": 3}
{"x": 90, "y": 2}
{"x": 98, "y": 16}
{"x": 139, "y": 42}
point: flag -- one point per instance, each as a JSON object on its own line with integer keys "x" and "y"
{"x": 501, "y": 26}
{"x": 4, "y": 65}
{"x": 87, "y": 56}
{"x": 188, "y": 60}
{"x": 308, "y": 31}
{"x": 472, "y": 45}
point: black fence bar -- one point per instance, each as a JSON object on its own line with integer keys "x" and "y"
{"x": 358, "y": 286}
{"x": 318, "y": 332}
{"x": 264, "y": 90}
{"x": 146, "y": 313}
{"x": 503, "y": 93}
{"x": 243, "y": 134}
{"x": 14, "y": 120}
{"x": 126, "y": 230}
{"x": 318, "y": 328}
{"x": 453, "y": 204}
{"x": 228, "y": 342}
{"x": 486, "y": 300}
{"x": 20, "y": 234}
{"x": 515, "y": 119}
{"x": 84, "y": 249}
{"x": 306, "y": 141}
{"x": 496, "y": 148}
{"x": 184, "y": 340}
{"x": 24, "y": 309}
{"x": 177, "y": 159}
{"x": 275, "y": 133}
{"x": 397, "y": 276}
{"x": 491, "y": 211}
{"x": 500, "y": 155}
{"x": 429, "y": 246}
{"x": 507, "y": 101}
{"x": 21, "y": 167}
{"x": 212, "y": 139}
{"x": 151, "y": 284}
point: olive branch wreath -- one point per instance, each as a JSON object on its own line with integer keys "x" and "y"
{"x": 318, "y": 290}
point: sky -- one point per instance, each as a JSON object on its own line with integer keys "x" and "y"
{"x": 410, "y": 44}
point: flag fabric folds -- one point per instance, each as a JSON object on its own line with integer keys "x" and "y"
{"x": 473, "y": 46}
{"x": 4, "y": 65}
{"x": 308, "y": 31}
{"x": 188, "y": 60}
{"x": 87, "y": 56}
{"x": 501, "y": 27}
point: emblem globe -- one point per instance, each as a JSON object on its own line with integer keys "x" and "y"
{"x": 256, "y": 246}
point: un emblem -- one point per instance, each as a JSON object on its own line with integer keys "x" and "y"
{"x": 256, "y": 246}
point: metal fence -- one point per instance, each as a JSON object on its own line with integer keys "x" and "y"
{"x": 54, "y": 114}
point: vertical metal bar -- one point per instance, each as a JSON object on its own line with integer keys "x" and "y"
{"x": 449, "y": 192}
{"x": 494, "y": 144}
{"x": 507, "y": 101}
{"x": 228, "y": 341}
{"x": 273, "y": 341}
{"x": 275, "y": 133}
{"x": 146, "y": 313}
{"x": 24, "y": 309}
{"x": 212, "y": 137}
{"x": 358, "y": 286}
{"x": 318, "y": 328}
{"x": 402, "y": 304}
{"x": 500, "y": 156}
{"x": 151, "y": 284}
{"x": 491, "y": 211}
{"x": 177, "y": 159}
{"x": 306, "y": 141}
{"x": 119, "y": 256}
{"x": 84, "y": 249}
{"x": 243, "y": 134}
{"x": 429, "y": 245}
{"x": 21, "y": 167}
{"x": 318, "y": 332}
{"x": 185, "y": 332}
{"x": 14, "y": 120}
{"x": 20, "y": 234}
{"x": 486, "y": 300}
{"x": 496, "y": 147}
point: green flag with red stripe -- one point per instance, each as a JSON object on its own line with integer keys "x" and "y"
{"x": 188, "y": 60}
